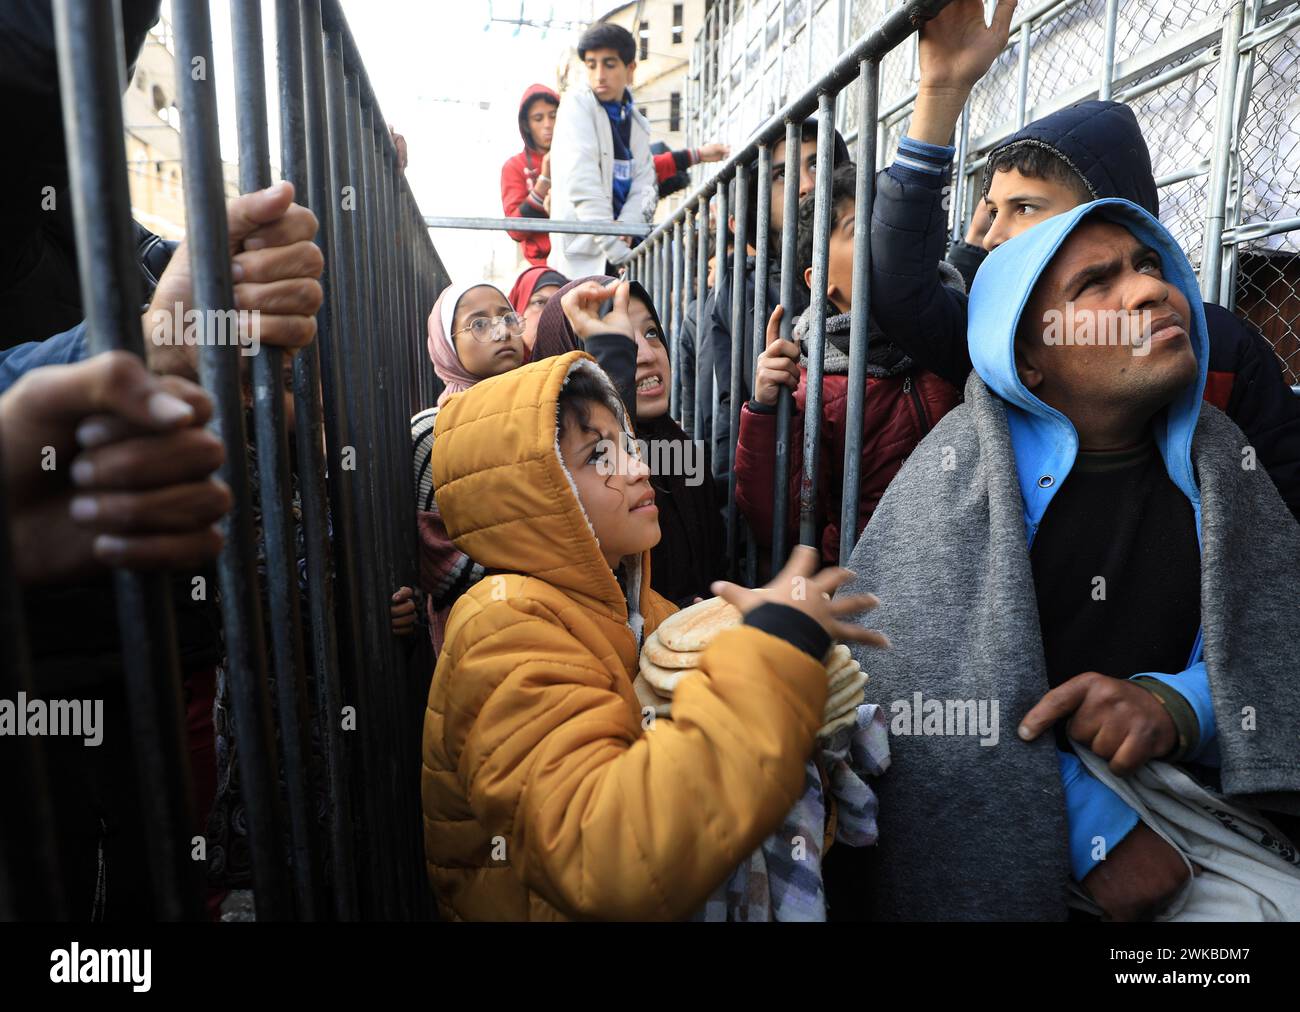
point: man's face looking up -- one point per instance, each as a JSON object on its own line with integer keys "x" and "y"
{"x": 1102, "y": 272}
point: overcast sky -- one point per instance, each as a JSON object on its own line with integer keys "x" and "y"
{"x": 450, "y": 81}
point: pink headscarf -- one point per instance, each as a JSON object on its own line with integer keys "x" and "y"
{"x": 442, "y": 347}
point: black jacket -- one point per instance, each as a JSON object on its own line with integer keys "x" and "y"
{"x": 927, "y": 320}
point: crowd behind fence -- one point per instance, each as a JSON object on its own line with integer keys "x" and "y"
{"x": 356, "y": 387}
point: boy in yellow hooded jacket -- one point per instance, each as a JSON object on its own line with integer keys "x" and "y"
{"x": 547, "y": 793}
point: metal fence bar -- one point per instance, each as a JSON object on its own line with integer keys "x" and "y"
{"x": 633, "y": 229}
{"x": 703, "y": 385}
{"x": 91, "y": 81}
{"x": 860, "y": 310}
{"x": 219, "y": 369}
{"x": 675, "y": 349}
{"x": 272, "y": 441}
{"x": 785, "y": 397}
{"x": 812, "y": 415}
{"x": 1212, "y": 248}
{"x": 310, "y": 469}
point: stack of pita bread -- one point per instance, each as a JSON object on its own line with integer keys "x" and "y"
{"x": 672, "y": 652}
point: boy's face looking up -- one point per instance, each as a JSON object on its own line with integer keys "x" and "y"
{"x": 1017, "y": 202}
{"x": 839, "y": 263}
{"x": 607, "y": 74}
{"x": 1098, "y": 384}
{"x": 807, "y": 177}
{"x": 613, "y": 484}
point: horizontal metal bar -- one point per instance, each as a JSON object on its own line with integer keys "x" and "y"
{"x": 1201, "y": 168}
{"x": 1258, "y": 230}
{"x": 541, "y": 225}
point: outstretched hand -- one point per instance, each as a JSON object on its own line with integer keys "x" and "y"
{"x": 802, "y": 587}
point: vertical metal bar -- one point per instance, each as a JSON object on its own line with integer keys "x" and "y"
{"x": 762, "y": 267}
{"x": 959, "y": 181}
{"x": 702, "y": 387}
{"x": 31, "y": 880}
{"x": 334, "y": 332}
{"x": 1022, "y": 80}
{"x": 1212, "y": 246}
{"x": 272, "y": 441}
{"x": 860, "y": 310}
{"x": 812, "y": 415}
{"x": 92, "y": 77}
{"x": 723, "y": 270}
{"x": 679, "y": 266}
{"x": 308, "y": 433}
{"x": 372, "y": 722}
{"x": 808, "y": 31}
{"x": 219, "y": 369}
{"x": 1106, "y": 85}
{"x": 683, "y": 381}
{"x": 785, "y": 397}
{"x": 738, "y": 353}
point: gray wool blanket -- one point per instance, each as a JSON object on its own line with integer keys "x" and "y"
{"x": 976, "y": 830}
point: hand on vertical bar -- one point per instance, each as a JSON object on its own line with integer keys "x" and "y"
{"x": 274, "y": 265}
{"x": 108, "y": 464}
{"x": 778, "y": 366}
{"x": 399, "y": 142}
{"x": 955, "y": 49}
{"x": 403, "y": 612}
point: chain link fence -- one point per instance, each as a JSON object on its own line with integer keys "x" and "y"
{"x": 1168, "y": 63}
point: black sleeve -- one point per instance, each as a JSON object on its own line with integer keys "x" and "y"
{"x": 793, "y": 626}
{"x": 1261, "y": 403}
{"x": 616, "y": 354}
{"x": 682, "y": 159}
{"x": 912, "y": 307}
{"x": 967, "y": 259}
{"x": 527, "y": 209}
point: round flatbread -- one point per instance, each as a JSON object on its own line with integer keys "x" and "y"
{"x": 692, "y": 629}
{"x": 647, "y": 696}
{"x": 841, "y": 678}
{"x": 847, "y": 719}
{"x": 837, "y": 657}
{"x": 846, "y": 698}
{"x": 661, "y": 656}
{"x": 664, "y": 680}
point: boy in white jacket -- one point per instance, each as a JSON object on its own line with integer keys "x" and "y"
{"x": 600, "y": 156}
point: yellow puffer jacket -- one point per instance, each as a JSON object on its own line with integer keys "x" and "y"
{"x": 544, "y": 797}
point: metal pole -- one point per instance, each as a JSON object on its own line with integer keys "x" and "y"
{"x": 959, "y": 182}
{"x": 1022, "y": 86}
{"x": 308, "y": 430}
{"x": 812, "y": 416}
{"x": 675, "y": 349}
{"x": 762, "y": 266}
{"x": 1212, "y": 246}
{"x": 785, "y": 397}
{"x": 702, "y": 386}
{"x": 219, "y": 369}
{"x": 859, "y": 323}
{"x": 738, "y": 353}
{"x": 1107, "y": 82}
{"x": 272, "y": 441}
{"x": 88, "y": 37}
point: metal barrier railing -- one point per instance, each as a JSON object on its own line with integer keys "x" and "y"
{"x": 347, "y": 469}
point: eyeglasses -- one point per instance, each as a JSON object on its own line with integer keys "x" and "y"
{"x": 482, "y": 329}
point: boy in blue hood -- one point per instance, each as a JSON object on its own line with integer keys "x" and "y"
{"x": 1079, "y": 547}
{"x": 1085, "y": 152}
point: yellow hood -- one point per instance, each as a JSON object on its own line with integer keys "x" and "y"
{"x": 507, "y": 499}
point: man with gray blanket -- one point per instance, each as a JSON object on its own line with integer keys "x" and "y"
{"x": 1087, "y": 549}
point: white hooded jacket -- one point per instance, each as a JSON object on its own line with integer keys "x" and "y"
{"x": 582, "y": 167}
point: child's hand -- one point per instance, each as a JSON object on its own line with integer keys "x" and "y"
{"x": 403, "y": 612}
{"x": 800, "y": 586}
{"x": 778, "y": 366}
{"x": 1138, "y": 878}
{"x": 581, "y": 306}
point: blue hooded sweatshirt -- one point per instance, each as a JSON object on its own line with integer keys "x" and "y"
{"x": 1046, "y": 444}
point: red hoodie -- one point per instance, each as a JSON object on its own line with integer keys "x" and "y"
{"x": 518, "y": 175}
